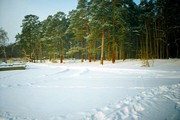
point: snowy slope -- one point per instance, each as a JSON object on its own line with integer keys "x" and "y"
{"x": 90, "y": 91}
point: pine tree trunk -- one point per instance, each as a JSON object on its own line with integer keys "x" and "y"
{"x": 61, "y": 59}
{"x": 82, "y": 54}
{"x": 102, "y": 44}
{"x": 61, "y": 52}
{"x": 116, "y": 52}
{"x": 89, "y": 52}
{"x": 113, "y": 44}
{"x": 155, "y": 43}
{"x": 109, "y": 55}
{"x": 89, "y": 57}
{"x": 177, "y": 51}
{"x": 94, "y": 50}
{"x": 147, "y": 49}
{"x": 122, "y": 54}
{"x": 82, "y": 58}
{"x": 40, "y": 51}
{"x": 95, "y": 57}
{"x": 113, "y": 53}
{"x": 89, "y": 43}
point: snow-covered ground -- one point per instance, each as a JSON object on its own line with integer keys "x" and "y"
{"x": 90, "y": 91}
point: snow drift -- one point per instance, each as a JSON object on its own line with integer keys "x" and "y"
{"x": 89, "y": 91}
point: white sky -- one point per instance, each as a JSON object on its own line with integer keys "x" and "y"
{"x": 12, "y": 12}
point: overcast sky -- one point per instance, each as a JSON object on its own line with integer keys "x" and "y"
{"x": 12, "y": 12}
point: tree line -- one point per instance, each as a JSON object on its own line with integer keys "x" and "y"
{"x": 104, "y": 29}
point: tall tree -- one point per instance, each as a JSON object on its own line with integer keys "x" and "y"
{"x": 28, "y": 37}
{"x": 170, "y": 11}
{"x": 60, "y": 27}
{"x": 78, "y": 21}
{"x": 3, "y": 42}
{"x": 99, "y": 21}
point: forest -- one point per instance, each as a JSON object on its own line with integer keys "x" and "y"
{"x": 101, "y": 30}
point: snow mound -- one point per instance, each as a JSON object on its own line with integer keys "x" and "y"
{"x": 140, "y": 106}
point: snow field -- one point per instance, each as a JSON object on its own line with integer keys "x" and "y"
{"x": 89, "y": 91}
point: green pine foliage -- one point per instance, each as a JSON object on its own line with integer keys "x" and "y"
{"x": 104, "y": 30}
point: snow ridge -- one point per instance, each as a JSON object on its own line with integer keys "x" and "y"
{"x": 134, "y": 108}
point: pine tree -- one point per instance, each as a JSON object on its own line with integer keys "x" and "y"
{"x": 3, "y": 43}
{"x": 28, "y": 37}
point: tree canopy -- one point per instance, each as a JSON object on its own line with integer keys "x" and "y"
{"x": 104, "y": 30}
